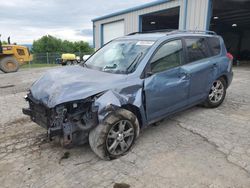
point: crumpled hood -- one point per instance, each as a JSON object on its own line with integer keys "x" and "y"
{"x": 71, "y": 83}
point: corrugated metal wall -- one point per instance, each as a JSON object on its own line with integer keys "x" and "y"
{"x": 196, "y": 17}
{"x": 197, "y": 11}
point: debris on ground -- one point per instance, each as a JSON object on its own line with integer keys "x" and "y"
{"x": 121, "y": 185}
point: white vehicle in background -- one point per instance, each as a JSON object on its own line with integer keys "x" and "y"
{"x": 85, "y": 57}
{"x": 78, "y": 59}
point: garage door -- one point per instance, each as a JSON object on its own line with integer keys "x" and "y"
{"x": 231, "y": 20}
{"x": 112, "y": 30}
{"x": 166, "y": 19}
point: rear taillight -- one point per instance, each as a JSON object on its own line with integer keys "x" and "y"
{"x": 230, "y": 56}
{"x": 230, "y": 64}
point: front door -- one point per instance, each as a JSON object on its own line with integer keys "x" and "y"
{"x": 166, "y": 90}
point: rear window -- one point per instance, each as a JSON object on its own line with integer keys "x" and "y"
{"x": 214, "y": 44}
{"x": 197, "y": 49}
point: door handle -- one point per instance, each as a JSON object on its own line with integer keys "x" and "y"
{"x": 184, "y": 75}
{"x": 214, "y": 65}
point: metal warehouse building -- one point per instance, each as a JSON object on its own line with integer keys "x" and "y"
{"x": 229, "y": 18}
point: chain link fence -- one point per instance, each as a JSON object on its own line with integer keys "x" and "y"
{"x": 48, "y": 59}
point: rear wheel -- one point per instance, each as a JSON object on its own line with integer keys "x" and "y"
{"x": 9, "y": 64}
{"x": 217, "y": 93}
{"x": 115, "y": 136}
{"x": 68, "y": 63}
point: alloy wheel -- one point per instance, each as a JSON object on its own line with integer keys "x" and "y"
{"x": 120, "y": 137}
{"x": 217, "y": 91}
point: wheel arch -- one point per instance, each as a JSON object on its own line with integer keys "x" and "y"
{"x": 135, "y": 110}
{"x": 224, "y": 76}
{"x": 6, "y": 55}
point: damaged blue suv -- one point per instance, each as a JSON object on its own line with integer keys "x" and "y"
{"x": 131, "y": 82}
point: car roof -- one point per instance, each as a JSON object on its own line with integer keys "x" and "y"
{"x": 154, "y": 36}
{"x": 144, "y": 36}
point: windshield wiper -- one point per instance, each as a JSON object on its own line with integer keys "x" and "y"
{"x": 83, "y": 64}
{"x": 110, "y": 67}
{"x": 134, "y": 62}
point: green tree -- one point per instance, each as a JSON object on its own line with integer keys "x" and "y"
{"x": 52, "y": 44}
{"x": 83, "y": 47}
{"x": 47, "y": 44}
{"x": 4, "y": 42}
{"x": 67, "y": 46}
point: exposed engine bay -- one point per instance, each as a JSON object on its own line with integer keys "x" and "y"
{"x": 71, "y": 122}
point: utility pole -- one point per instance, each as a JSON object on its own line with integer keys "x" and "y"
{"x": 47, "y": 54}
{"x": 1, "y": 49}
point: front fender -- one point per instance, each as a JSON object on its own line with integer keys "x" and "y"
{"x": 113, "y": 100}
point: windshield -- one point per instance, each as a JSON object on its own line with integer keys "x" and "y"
{"x": 120, "y": 57}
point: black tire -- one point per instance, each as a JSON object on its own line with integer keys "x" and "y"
{"x": 9, "y": 64}
{"x": 68, "y": 63}
{"x": 210, "y": 101}
{"x": 99, "y": 139}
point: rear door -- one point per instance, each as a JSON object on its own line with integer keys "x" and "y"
{"x": 166, "y": 90}
{"x": 200, "y": 66}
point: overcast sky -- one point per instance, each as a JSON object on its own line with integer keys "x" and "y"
{"x": 27, "y": 20}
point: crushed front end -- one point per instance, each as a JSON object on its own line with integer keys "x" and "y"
{"x": 71, "y": 122}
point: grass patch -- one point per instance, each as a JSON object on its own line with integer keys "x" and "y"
{"x": 38, "y": 65}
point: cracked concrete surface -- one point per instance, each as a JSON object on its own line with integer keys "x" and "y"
{"x": 196, "y": 148}
{"x": 227, "y": 127}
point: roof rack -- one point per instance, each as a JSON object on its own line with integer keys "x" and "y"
{"x": 174, "y": 31}
{"x": 154, "y": 31}
{"x": 197, "y": 31}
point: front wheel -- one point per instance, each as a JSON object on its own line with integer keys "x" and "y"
{"x": 9, "y": 64}
{"x": 217, "y": 93}
{"x": 115, "y": 136}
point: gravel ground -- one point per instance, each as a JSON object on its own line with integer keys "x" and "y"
{"x": 195, "y": 148}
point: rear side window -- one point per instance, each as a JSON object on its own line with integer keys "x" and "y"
{"x": 214, "y": 45}
{"x": 197, "y": 49}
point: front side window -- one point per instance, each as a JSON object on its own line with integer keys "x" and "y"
{"x": 119, "y": 56}
{"x": 168, "y": 56}
{"x": 196, "y": 49}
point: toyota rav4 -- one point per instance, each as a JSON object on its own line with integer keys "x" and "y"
{"x": 128, "y": 84}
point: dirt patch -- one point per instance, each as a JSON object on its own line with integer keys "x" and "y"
{"x": 121, "y": 185}
{"x": 21, "y": 120}
{"x": 66, "y": 155}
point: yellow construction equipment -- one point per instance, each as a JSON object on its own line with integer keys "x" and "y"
{"x": 69, "y": 59}
{"x": 12, "y": 56}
